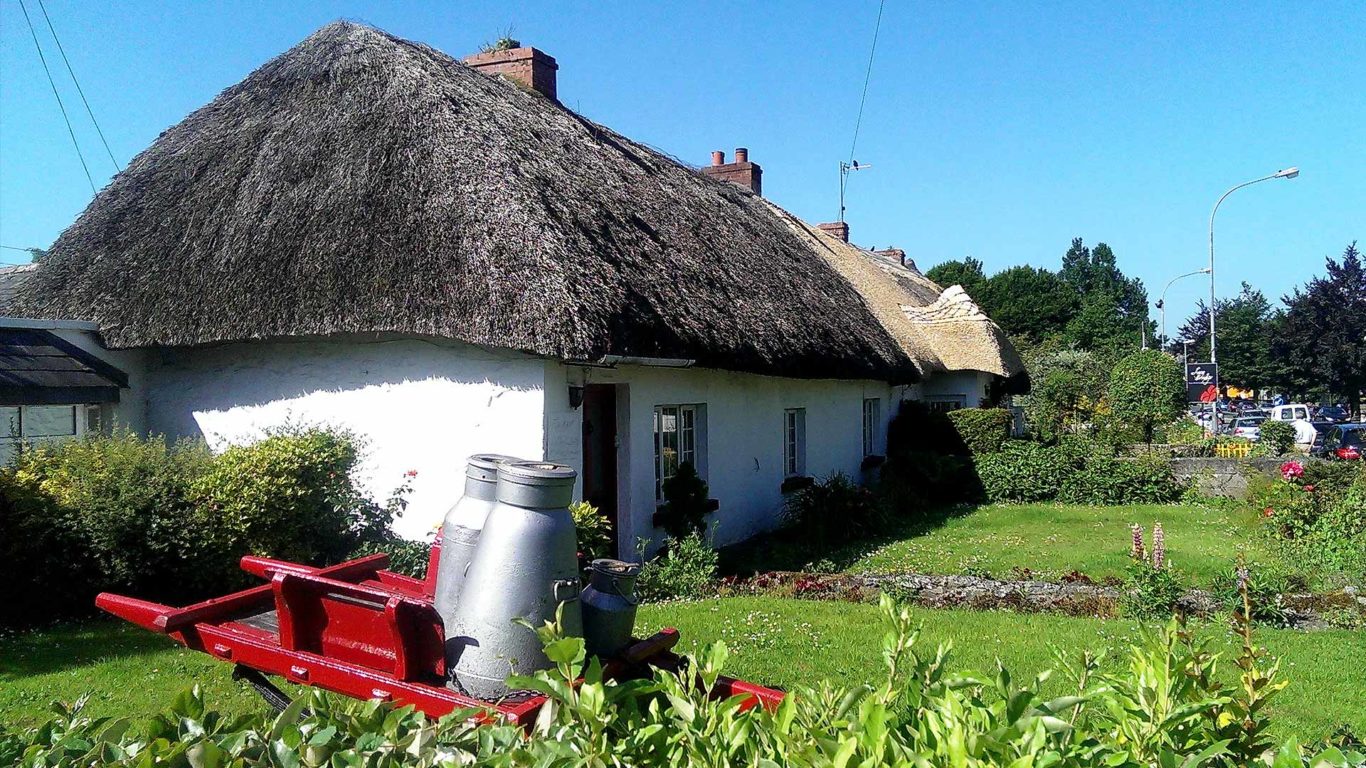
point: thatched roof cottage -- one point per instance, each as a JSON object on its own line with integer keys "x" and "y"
{"x": 369, "y": 233}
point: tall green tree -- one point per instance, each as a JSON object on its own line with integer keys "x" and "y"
{"x": 1028, "y": 302}
{"x": 1245, "y": 328}
{"x": 1147, "y": 390}
{"x": 1321, "y": 340}
{"x": 1113, "y": 314}
{"x": 967, "y": 273}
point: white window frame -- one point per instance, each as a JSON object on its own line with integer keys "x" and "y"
{"x": 794, "y": 442}
{"x": 872, "y": 426}
{"x": 946, "y": 403}
{"x": 689, "y": 434}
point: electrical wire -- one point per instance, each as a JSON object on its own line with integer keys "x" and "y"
{"x": 79, "y": 90}
{"x": 866, "y": 77}
{"x": 60, "y": 105}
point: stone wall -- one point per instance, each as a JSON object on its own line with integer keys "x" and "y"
{"x": 1224, "y": 477}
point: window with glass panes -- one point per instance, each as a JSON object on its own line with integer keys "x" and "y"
{"x": 872, "y": 426}
{"x": 675, "y": 442}
{"x": 794, "y": 441}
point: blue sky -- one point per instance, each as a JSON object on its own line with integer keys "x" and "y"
{"x": 998, "y": 131}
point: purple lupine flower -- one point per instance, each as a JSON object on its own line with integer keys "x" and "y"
{"x": 1136, "y": 549}
{"x": 1242, "y": 578}
{"x": 1159, "y": 547}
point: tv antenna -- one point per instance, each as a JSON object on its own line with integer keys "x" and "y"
{"x": 845, "y": 170}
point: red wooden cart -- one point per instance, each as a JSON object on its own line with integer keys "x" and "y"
{"x": 360, "y": 630}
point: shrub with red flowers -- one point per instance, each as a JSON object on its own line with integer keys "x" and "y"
{"x": 1292, "y": 470}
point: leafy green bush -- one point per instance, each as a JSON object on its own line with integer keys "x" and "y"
{"x": 1023, "y": 471}
{"x": 685, "y": 569}
{"x": 1278, "y": 436}
{"x": 835, "y": 510}
{"x": 917, "y": 429}
{"x": 169, "y": 522}
{"x": 1263, "y": 586}
{"x": 912, "y": 482}
{"x": 594, "y": 531}
{"x": 1103, "y": 479}
{"x": 685, "y": 503}
{"x": 982, "y": 430}
{"x": 1163, "y": 707}
{"x": 1147, "y": 390}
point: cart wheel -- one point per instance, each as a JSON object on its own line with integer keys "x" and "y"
{"x": 275, "y": 697}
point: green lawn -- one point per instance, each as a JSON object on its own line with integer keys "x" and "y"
{"x": 789, "y": 642}
{"x": 128, "y": 671}
{"x": 1053, "y": 539}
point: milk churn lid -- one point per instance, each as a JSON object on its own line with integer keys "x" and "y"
{"x": 484, "y": 466}
{"x": 538, "y": 473}
{"x": 616, "y": 568}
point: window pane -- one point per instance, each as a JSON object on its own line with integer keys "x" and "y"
{"x": 50, "y": 421}
{"x": 9, "y": 421}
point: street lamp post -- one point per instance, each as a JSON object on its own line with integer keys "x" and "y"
{"x": 1287, "y": 173}
{"x": 1162, "y": 302}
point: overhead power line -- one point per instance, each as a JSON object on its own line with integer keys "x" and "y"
{"x": 60, "y": 105}
{"x": 866, "y": 77}
{"x": 79, "y": 90}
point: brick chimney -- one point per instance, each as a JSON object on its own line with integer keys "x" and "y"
{"x": 529, "y": 67}
{"x": 839, "y": 229}
{"x": 742, "y": 171}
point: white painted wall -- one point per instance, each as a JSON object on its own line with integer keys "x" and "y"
{"x": 130, "y": 412}
{"x": 743, "y": 441}
{"x": 972, "y": 385}
{"x": 423, "y": 405}
{"x": 426, "y": 405}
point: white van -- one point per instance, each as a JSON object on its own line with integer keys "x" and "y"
{"x": 1291, "y": 412}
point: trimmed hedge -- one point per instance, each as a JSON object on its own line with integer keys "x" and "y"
{"x": 1074, "y": 472}
{"x": 982, "y": 430}
{"x": 170, "y": 522}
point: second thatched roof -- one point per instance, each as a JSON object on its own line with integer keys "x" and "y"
{"x": 362, "y": 183}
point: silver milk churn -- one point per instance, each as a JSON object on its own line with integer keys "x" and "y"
{"x": 526, "y": 565}
{"x": 609, "y": 606}
{"x": 461, "y": 528}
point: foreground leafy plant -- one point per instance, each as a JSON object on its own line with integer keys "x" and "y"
{"x": 1161, "y": 709}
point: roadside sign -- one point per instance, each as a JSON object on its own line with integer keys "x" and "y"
{"x": 1200, "y": 382}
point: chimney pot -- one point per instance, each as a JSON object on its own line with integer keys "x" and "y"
{"x": 741, "y": 171}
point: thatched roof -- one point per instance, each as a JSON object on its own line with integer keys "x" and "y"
{"x": 941, "y": 330}
{"x": 11, "y": 278}
{"x": 362, "y": 183}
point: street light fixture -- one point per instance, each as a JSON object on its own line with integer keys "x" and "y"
{"x": 1285, "y": 173}
{"x": 1162, "y": 302}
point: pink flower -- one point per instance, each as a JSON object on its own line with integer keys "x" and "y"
{"x": 1309, "y": 488}
{"x": 410, "y": 473}
{"x": 1292, "y": 470}
{"x": 1159, "y": 547}
{"x": 1268, "y": 512}
{"x": 1136, "y": 549}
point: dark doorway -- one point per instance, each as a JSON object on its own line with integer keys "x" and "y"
{"x": 600, "y": 449}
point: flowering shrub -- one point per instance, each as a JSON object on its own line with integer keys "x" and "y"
{"x": 1292, "y": 470}
{"x": 1151, "y": 587}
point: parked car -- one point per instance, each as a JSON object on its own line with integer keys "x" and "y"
{"x": 1247, "y": 426}
{"x": 1333, "y": 413}
{"x": 1344, "y": 441}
